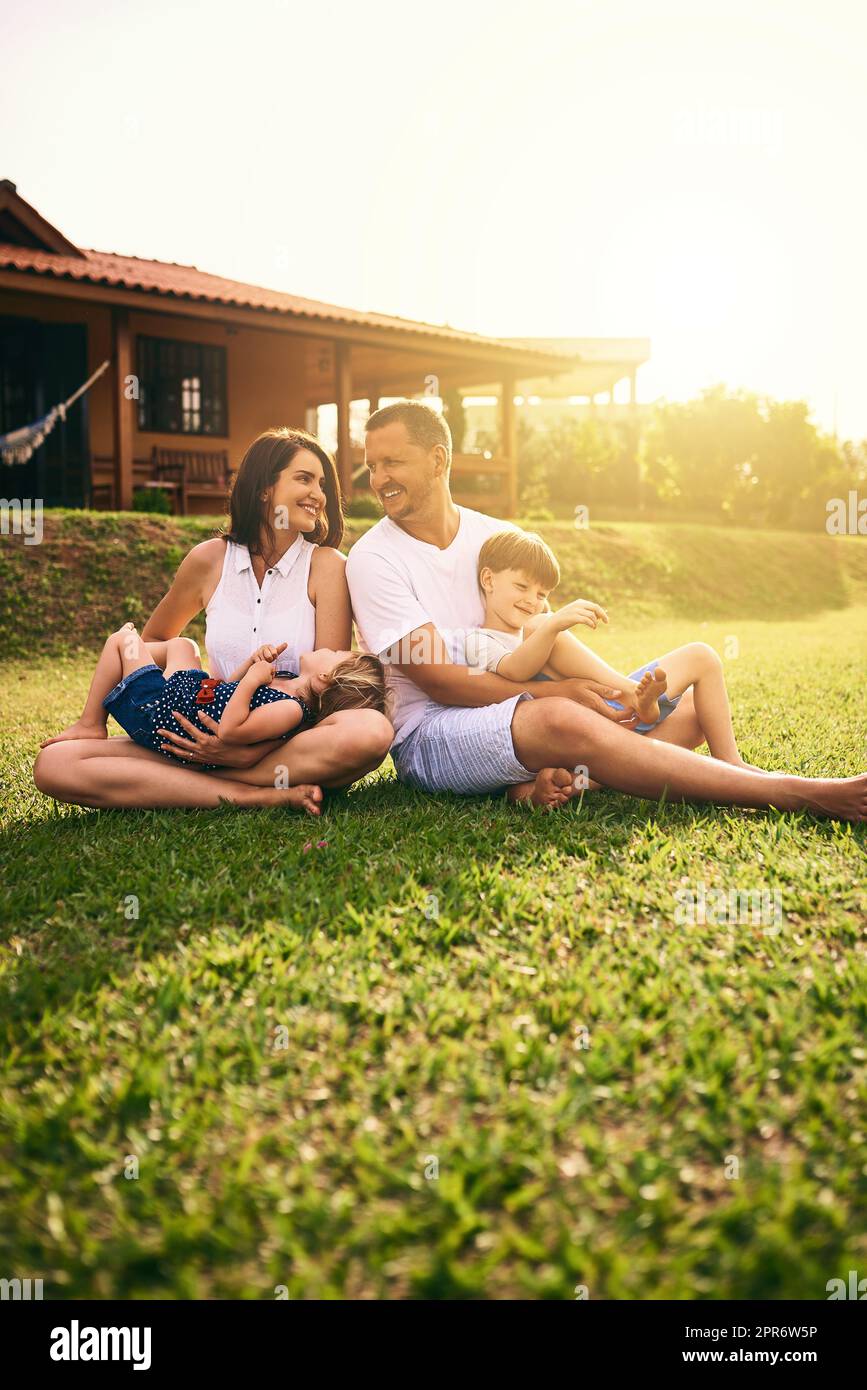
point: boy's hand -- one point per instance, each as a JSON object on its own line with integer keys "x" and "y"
{"x": 268, "y": 652}
{"x": 580, "y": 611}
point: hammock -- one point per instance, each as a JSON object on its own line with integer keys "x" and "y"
{"x": 19, "y": 446}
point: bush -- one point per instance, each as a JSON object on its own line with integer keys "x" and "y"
{"x": 151, "y": 499}
{"x": 364, "y": 506}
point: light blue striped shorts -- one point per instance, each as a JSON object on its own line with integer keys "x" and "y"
{"x": 455, "y": 749}
{"x": 470, "y": 751}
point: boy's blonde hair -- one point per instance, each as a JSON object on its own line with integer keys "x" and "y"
{"x": 520, "y": 550}
{"x": 357, "y": 682}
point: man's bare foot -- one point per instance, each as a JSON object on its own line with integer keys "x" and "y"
{"x": 841, "y": 798}
{"x": 77, "y": 730}
{"x": 645, "y": 697}
{"x": 551, "y": 787}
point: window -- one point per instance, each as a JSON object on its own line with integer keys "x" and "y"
{"x": 182, "y": 387}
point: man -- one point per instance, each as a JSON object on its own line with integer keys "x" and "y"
{"x": 413, "y": 583}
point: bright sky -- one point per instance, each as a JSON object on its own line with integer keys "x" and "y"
{"x": 687, "y": 170}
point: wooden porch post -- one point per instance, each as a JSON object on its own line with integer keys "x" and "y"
{"x": 123, "y": 408}
{"x": 343, "y": 395}
{"x": 509, "y": 441}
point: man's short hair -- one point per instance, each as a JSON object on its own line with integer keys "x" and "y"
{"x": 423, "y": 425}
{"x": 523, "y": 551}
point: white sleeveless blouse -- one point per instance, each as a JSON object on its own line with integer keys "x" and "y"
{"x": 241, "y": 616}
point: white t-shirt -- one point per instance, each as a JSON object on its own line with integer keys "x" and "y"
{"x": 486, "y": 647}
{"x": 398, "y": 584}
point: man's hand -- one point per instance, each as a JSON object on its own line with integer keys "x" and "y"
{"x": 581, "y": 610}
{"x": 203, "y": 747}
{"x": 593, "y": 695}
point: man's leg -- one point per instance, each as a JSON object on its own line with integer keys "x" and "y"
{"x": 647, "y": 767}
{"x": 118, "y": 773}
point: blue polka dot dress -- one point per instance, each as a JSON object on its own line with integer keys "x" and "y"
{"x": 143, "y": 702}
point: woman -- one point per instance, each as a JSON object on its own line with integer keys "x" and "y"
{"x": 276, "y": 576}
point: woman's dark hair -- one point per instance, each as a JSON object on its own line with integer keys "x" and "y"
{"x": 250, "y": 522}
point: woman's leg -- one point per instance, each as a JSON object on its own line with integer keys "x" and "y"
{"x": 334, "y": 753}
{"x": 545, "y": 731}
{"x": 118, "y": 773}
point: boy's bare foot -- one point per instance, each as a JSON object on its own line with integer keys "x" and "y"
{"x": 552, "y": 787}
{"x": 645, "y": 697}
{"x": 77, "y": 730}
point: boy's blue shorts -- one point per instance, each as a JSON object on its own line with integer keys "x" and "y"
{"x": 666, "y": 704}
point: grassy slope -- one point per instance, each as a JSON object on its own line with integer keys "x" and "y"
{"x": 453, "y": 1034}
{"x": 94, "y": 570}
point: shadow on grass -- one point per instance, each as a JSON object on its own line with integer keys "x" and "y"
{"x": 108, "y": 890}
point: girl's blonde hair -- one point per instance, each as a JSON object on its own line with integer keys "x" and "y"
{"x": 356, "y": 682}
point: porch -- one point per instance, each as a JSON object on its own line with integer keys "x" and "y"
{"x": 202, "y": 363}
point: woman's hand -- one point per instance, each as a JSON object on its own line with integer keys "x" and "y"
{"x": 201, "y": 747}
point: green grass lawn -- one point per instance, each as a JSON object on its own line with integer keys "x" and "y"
{"x": 351, "y": 1057}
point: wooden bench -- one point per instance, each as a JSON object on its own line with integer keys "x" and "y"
{"x": 186, "y": 473}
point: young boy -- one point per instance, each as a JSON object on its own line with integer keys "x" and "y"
{"x": 523, "y": 641}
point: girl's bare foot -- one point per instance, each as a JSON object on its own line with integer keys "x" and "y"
{"x": 77, "y": 730}
{"x": 552, "y": 787}
{"x": 645, "y": 697}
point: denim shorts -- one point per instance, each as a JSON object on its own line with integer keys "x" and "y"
{"x": 133, "y": 700}
{"x": 666, "y": 705}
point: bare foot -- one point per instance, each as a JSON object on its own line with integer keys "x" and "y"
{"x": 645, "y": 697}
{"x": 552, "y": 787}
{"x": 305, "y": 797}
{"x": 842, "y": 798}
{"x": 77, "y": 730}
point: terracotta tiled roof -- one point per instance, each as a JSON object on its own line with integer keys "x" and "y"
{"x": 186, "y": 282}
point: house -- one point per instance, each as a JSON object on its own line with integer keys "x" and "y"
{"x": 601, "y": 364}
{"x": 202, "y": 364}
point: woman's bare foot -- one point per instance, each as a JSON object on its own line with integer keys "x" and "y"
{"x": 552, "y": 787}
{"x": 305, "y": 797}
{"x": 302, "y": 798}
{"x": 77, "y": 730}
{"x": 645, "y": 697}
